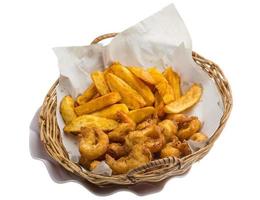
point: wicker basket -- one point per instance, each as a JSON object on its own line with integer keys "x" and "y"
{"x": 154, "y": 171}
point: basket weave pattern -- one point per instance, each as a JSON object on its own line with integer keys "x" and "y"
{"x": 154, "y": 171}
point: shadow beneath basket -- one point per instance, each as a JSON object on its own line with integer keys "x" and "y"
{"x": 59, "y": 175}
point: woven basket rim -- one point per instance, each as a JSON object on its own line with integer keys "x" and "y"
{"x": 154, "y": 171}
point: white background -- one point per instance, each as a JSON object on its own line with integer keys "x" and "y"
{"x": 225, "y": 31}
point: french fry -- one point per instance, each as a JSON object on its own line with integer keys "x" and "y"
{"x": 111, "y": 111}
{"x": 67, "y": 109}
{"x": 100, "y": 83}
{"x": 88, "y": 94}
{"x": 190, "y": 98}
{"x": 159, "y": 106}
{"x": 130, "y": 97}
{"x": 123, "y": 73}
{"x": 141, "y": 114}
{"x": 142, "y": 74}
{"x": 98, "y": 103}
{"x": 162, "y": 85}
{"x": 174, "y": 80}
{"x": 90, "y": 121}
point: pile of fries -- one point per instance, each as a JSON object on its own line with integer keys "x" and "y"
{"x": 129, "y": 116}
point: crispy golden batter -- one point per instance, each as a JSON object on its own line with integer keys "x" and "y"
{"x": 98, "y": 103}
{"x": 199, "y": 137}
{"x": 90, "y": 121}
{"x": 192, "y": 127}
{"x": 123, "y": 73}
{"x": 67, "y": 109}
{"x": 100, "y": 83}
{"x": 88, "y": 94}
{"x": 174, "y": 81}
{"x": 162, "y": 85}
{"x": 141, "y": 114}
{"x": 146, "y": 123}
{"x": 130, "y": 97}
{"x": 169, "y": 129}
{"x": 169, "y": 150}
{"x": 93, "y": 164}
{"x": 151, "y": 137}
{"x": 142, "y": 74}
{"x": 191, "y": 97}
{"x": 111, "y": 111}
{"x": 137, "y": 157}
{"x": 126, "y": 125}
{"x": 93, "y": 143}
{"x": 117, "y": 150}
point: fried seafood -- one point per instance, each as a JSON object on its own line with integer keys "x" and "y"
{"x": 189, "y": 129}
{"x": 199, "y": 137}
{"x": 117, "y": 150}
{"x": 169, "y": 129}
{"x": 126, "y": 125}
{"x": 146, "y": 123}
{"x": 137, "y": 157}
{"x": 151, "y": 137}
{"x": 93, "y": 143}
{"x": 67, "y": 109}
{"x": 169, "y": 150}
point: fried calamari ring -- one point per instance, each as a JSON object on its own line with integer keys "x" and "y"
{"x": 169, "y": 128}
{"x": 192, "y": 127}
{"x": 199, "y": 137}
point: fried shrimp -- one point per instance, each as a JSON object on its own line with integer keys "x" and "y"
{"x": 151, "y": 137}
{"x": 126, "y": 125}
{"x": 117, "y": 150}
{"x": 137, "y": 157}
{"x": 178, "y": 118}
{"x": 189, "y": 129}
{"x": 169, "y": 128}
{"x": 93, "y": 143}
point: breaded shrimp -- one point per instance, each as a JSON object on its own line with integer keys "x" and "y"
{"x": 146, "y": 123}
{"x": 117, "y": 150}
{"x": 199, "y": 137}
{"x": 126, "y": 125}
{"x": 151, "y": 137}
{"x": 93, "y": 143}
{"x": 137, "y": 157}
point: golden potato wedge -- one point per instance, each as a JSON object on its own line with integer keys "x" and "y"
{"x": 100, "y": 83}
{"x": 174, "y": 80}
{"x": 141, "y": 114}
{"x": 159, "y": 106}
{"x": 90, "y": 121}
{"x": 98, "y": 103}
{"x": 127, "y": 76}
{"x": 67, "y": 109}
{"x": 88, "y": 94}
{"x": 130, "y": 97}
{"x": 162, "y": 85}
{"x": 186, "y": 101}
{"x": 142, "y": 74}
{"x": 111, "y": 111}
